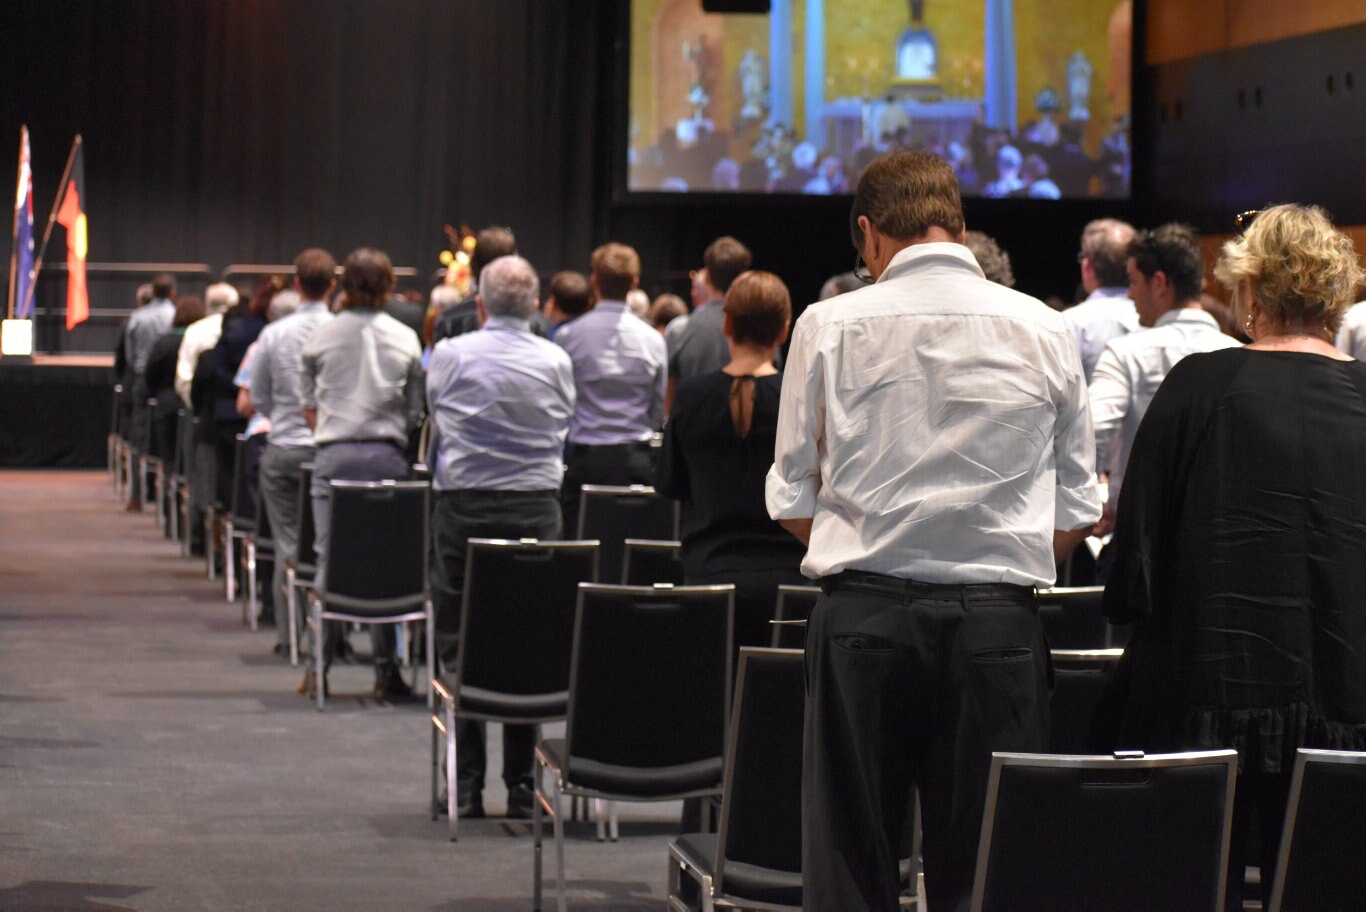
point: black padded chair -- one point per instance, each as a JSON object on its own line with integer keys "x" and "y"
{"x": 300, "y": 566}
{"x": 1072, "y": 619}
{"x": 756, "y": 854}
{"x": 377, "y": 562}
{"x": 611, "y": 514}
{"x": 791, "y": 614}
{"x": 648, "y": 700}
{"x": 1128, "y": 833}
{"x": 1322, "y": 862}
{"x": 1080, "y": 677}
{"x": 516, "y": 635}
{"x": 645, "y": 562}
{"x": 239, "y": 521}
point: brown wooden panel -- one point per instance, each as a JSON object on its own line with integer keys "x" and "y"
{"x": 1180, "y": 29}
{"x": 1258, "y": 21}
{"x": 1211, "y": 244}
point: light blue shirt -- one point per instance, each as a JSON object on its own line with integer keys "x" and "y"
{"x": 147, "y": 324}
{"x": 620, "y": 372}
{"x": 500, "y": 402}
{"x": 275, "y": 374}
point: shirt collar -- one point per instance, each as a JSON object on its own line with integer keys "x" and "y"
{"x": 517, "y": 324}
{"x": 311, "y": 305}
{"x": 1110, "y": 291}
{"x": 707, "y": 304}
{"x": 917, "y": 255}
{"x": 1186, "y": 315}
{"x": 610, "y": 306}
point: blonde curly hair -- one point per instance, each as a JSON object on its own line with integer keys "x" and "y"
{"x": 1300, "y": 269}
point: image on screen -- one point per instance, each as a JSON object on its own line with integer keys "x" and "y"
{"x": 1025, "y": 98}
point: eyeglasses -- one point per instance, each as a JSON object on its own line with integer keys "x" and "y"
{"x": 862, "y": 272}
{"x": 1243, "y": 220}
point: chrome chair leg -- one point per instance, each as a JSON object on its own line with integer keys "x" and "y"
{"x": 292, "y": 606}
{"x": 249, "y": 547}
{"x": 558, "y": 829}
{"x": 229, "y": 561}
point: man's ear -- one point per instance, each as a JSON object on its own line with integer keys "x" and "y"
{"x": 479, "y": 311}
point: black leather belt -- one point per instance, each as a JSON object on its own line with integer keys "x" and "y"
{"x": 896, "y": 587}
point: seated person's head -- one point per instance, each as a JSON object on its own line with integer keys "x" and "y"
{"x": 758, "y": 310}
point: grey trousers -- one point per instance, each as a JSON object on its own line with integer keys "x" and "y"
{"x": 348, "y": 461}
{"x": 279, "y": 486}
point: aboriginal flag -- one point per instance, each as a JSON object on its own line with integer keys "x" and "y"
{"x": 72, "y": 218}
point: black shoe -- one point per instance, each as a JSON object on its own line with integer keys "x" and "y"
{"x": 280, "y": 649}
{"x": 521, "y": 802}
{"x": 266, "y": 618}
{"x": 344, "y": 652}
{"x": 390, "y": 686}
{"x": 469, "y": 807}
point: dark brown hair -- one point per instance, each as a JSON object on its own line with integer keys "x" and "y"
{"x": 571, "y": 292}
{"x": 725, "y": 258}
{"x": 616, "y": 267}
{"x": 489, "y": 245}
{"x": 188, "y": 308}
{"x": 367, "y": 278}
{"x": 163, "y": 285}
{"x": 905, "y": 193}
{"x": 759, "y": 307}
{"x": 316, "y": 270}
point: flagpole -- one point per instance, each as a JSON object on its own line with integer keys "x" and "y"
{"x": 52, "y": 220}
{"x": 14, "y": 248}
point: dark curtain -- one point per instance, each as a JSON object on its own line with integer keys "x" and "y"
{"x": 241, "y": 131}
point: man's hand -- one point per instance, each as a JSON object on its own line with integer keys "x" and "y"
{"x": 311, "y": 419}
{"x": 800, "y": 527}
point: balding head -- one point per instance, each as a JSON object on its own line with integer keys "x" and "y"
{"x": 1105, "y": 252}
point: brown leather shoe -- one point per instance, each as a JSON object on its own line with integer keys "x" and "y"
{"x": 390, "y": 687}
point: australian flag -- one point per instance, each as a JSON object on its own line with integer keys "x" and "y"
{"x": 22, "y": 278}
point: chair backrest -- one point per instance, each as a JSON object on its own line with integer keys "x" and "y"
{"x": 1071, "y": 617}
{"x": 377, "y": 546}
{"x": 645, "y": 562}
{"x": 761, "y": 811}
{"x": 1322, "y": 863}
{"x": 241, "y": 507}
{"x": 305, "y": 554}
{"x": 650, "y": 681}
{"x": 1118, "y": 833}
{"x": 794, "y": 604}
{"x": 184, "y": 444}
{"x": 1080, "y": 678}
{"x": 517, "y": 614}
{"x": 611, "y": 514}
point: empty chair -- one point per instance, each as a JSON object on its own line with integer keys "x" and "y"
{"x": 377, "y": 562}
{"x": 1129, "y": 832}
{"x": 791, "y": 614}
{"x": 1072, "y": 619}
{"x": 648, "y": 700}
{"x": 646, "y": 562}
{"x": 300, "y": 566}
{"x": 1080, "y": 677}
{"x": 611, "y": 514}
{"x": 516, "y": 634}
{"x": 756, "y": 854}
{"x": 1322, "y": 862}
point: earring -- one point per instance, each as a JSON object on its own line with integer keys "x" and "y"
{"x": 1247, "y": 324}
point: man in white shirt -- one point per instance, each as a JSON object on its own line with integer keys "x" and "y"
{"x": 1165, "y": 274}
{"x": 202, "y": 335}
{"x": 1351, "y": 338}
{"x": 935, "y": 452}
{"x": 1107, "y": 311}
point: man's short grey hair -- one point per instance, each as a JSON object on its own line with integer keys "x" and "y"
{"x": 509, "y": 287}
{"x": 219, "y": 298}
{"x": 638, "y": 303}
{"x": 444, "y": 297}
{"x": 144, "y": 294}
{"x": 282, "y": 305}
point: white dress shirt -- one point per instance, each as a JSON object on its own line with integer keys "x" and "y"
{"x": 1107, "y": 313}
{"x": 935, "y": 427}
{"x": 500, "y": 400}
{"x": 620, "y": 373}
{"x": 200, "y": 336}
{"x": 1352, "y": 335}
{"x": 1127, "y": 377}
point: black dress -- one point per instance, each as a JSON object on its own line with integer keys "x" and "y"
{"x": 1241, "y": 559}
{"x": 719, "y": 476}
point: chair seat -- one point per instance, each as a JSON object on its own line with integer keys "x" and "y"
{"x": 477, "y": 701}
{"x": 615, "y": 779}
{"x": 743, "y": 881}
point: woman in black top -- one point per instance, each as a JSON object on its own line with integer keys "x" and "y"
{"x": 718, "y": 447}
{"x": 160, "y": 375}
{"x": 1241, "y": 539}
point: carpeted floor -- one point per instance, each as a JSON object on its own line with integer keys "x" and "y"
{"x": 154, "y": 754}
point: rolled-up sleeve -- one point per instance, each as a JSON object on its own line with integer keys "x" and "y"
{"x": 1077, "y": 495}
{"x": 795, "y": 479}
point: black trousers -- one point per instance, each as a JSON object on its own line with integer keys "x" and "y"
{"x": 911, "y": 685}
{"x": 457, "y": 517}
{"x": 613, "y": 464}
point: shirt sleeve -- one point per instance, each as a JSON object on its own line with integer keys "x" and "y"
{"x": 1076, "y": 494}
{"x": 261, "y": 381}
{"x": 1110, "y": 393}
{"x": 415, "y": 390}
{"x": 795, "y": 479}
{"x": 661, "y": 385}
{"x": 308, "y": 377}
{"x": 185, "y": 362}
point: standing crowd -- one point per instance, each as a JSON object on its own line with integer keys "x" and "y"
{"x": 934, "y": 446}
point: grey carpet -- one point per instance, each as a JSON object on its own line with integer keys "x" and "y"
{"x": 154, "y": 755}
